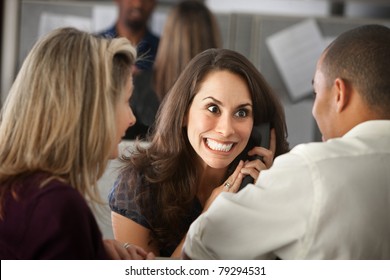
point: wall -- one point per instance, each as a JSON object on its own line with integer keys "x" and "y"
{"x": 245, "y": 26}
{"x": 9, "y": 50}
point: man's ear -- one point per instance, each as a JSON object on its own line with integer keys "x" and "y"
{"x": 342, "y": 94}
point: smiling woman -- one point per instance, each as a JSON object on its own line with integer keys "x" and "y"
{"x": 203, "y": 125}
{"x": 220, "y": 119}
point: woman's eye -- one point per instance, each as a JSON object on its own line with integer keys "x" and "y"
{"x": 242, "y": 113}
{"x": 213, "y": 109}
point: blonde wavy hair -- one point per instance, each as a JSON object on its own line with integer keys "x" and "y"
{"x": 59, "y": 116}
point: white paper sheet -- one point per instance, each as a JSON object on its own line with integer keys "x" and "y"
{"x": 103, "y": 17}
{"x": 295, "y": 51}
{"x": 50, "y": 21}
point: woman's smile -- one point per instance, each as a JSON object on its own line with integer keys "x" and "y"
{"x": 218, "y": 146}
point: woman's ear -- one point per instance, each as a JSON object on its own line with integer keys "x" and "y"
{"x": 342, "y": 94}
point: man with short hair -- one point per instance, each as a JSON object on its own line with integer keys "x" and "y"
{"x": 132, "y": 24}
{"x": 326, "y": 200}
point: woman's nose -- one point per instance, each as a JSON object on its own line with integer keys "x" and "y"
{"x": 225, "y": 125}
{"x": 132, "y": 118}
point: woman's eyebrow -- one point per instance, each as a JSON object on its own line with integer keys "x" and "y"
{"x": 212, "y": 98}
{"x": 220, "y": 103}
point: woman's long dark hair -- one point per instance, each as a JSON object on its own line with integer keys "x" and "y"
{"x": 165, "y": 168}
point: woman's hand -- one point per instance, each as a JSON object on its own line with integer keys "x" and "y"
{"x": 119, "y": 251}
{"x": 232, "y": 184}
{"x": 254, "y": 167}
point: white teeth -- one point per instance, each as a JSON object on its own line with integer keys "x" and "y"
{"x": 218, "y": 146}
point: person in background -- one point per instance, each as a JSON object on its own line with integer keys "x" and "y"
{"x": 202, "y": 129}
{"x": 62, "y": 121}
{"x": 326, "y": 200}
{"x": 132, "y": 23}
{"x": 190, "y": 28}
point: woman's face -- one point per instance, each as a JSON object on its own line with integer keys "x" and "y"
{"x": 124, "y": 116}
{"x": 220, "y": 119}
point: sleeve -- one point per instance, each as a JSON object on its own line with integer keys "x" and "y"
{"x": 262, "y": 221}
{"x": 62, "y": 226}
{"x": 122, "y": 201}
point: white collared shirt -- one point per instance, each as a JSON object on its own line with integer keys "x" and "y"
{"x": 326, "y": 200}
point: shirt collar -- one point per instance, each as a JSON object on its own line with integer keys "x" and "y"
{"x": 369, "y": 127}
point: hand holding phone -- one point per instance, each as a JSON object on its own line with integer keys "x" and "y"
{"x": 260, "y": 136}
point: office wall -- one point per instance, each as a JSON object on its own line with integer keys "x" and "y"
{"x": 244, "y": 32}
{"x": 9, "y": 50}
{"x": 345, "y": 8}
{"x": 272, "y": 7}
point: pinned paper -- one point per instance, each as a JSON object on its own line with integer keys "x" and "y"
{"x": 295, "y": 51}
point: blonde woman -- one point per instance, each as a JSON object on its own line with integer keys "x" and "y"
{"x": 62, "y": 121}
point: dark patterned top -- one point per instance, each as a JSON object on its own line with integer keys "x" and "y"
{"x": 122, "y": 201}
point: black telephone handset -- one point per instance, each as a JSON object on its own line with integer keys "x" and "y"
{"x": 260, "y": 136}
